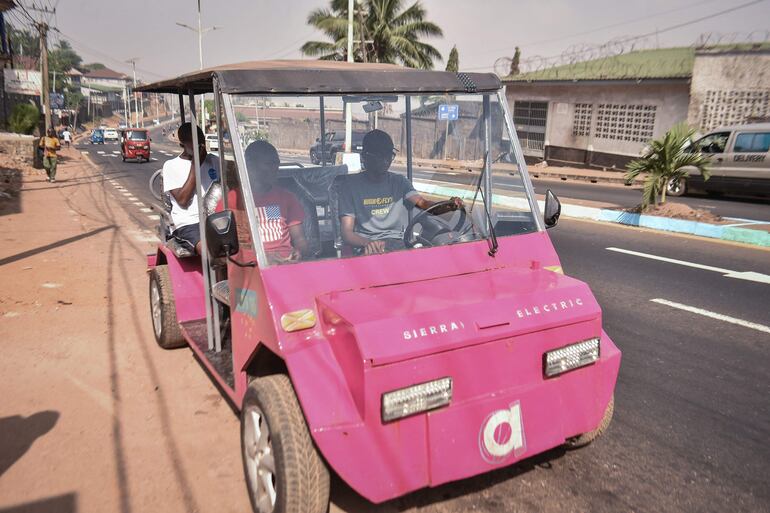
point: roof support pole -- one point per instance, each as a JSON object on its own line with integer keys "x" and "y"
{"x": 212, "y": 309}
{"x": 181, "y": 108}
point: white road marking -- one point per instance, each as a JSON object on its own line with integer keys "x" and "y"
{"x": 126, "y": 193}
{"x": 146, "y": 210}
{"x": 84, "y": 152}
{"x": 100, "y": 152}
{"x": 138, "y": 203}
{"x": 154, "y": 217}
{"x": 153, "y": 159}
{"x": 713, "y": 315}
{"x": 727, "y": 273}
{"x": 116, "y": 152}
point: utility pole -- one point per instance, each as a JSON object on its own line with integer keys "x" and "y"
{"x": 137, "y": 107}
{"x": 200, "y": 31}
{"x": 42, "y": 28}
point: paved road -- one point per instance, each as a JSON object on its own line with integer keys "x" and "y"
{"x": 692, "y": 419}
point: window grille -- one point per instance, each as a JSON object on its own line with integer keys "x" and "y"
{"x": 722, "y": 108}
{"x": 623, "y": 122}
{"x": 581, "y": 122}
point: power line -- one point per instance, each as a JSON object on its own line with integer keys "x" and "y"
{"x": 85, "y": 47}
{"x": 600, "y": 29}
{"x": 655, "y": 32}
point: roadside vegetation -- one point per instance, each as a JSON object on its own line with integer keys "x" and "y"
{"x": 666, "y": 159}
{"x": 383, "y": 31}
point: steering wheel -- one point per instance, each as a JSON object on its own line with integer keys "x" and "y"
{"x": 416, "y": 219}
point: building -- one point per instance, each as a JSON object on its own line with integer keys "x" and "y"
{"x": 603, "y": 112}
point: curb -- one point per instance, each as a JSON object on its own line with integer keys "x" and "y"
{"x": 712, "y": 231}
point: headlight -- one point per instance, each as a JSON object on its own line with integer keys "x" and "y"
{"x": 570, "y": 357}
{"x": 416, "y": 399}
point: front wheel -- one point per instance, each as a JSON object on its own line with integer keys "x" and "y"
{"x": 676, "y": 187}
{"x": 314, "y": 158}
{"x": 586, "y": 438}
{"x": 284, "y": 473}
{"x": 163, "y": 310}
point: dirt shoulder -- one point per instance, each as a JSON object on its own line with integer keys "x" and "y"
{"x": 94, "y": 417}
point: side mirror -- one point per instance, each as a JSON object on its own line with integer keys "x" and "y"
{"x": 552, "y": 209}
{"x": 221, "y": 235}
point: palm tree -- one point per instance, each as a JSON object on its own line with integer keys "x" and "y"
{"x": 667, "y": 159}
{"x": 453, "y": 63}
{"x": 383, "y": 32}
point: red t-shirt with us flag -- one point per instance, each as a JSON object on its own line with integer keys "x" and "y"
{"x": 276, "y": 212}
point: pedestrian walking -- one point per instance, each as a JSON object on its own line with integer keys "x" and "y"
{"x": 50, "y": 145}
{"x": 67, "y": 136}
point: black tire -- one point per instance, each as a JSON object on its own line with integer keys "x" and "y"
{"x": 314, "y": 158}
{"x": 299, "y": 476}
{"x": 167, "y": 332}
{"x": 676, "y": 188}
{"x": 586, "y": 438}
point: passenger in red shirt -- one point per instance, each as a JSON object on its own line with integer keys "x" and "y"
{"x": 279, "y": 212}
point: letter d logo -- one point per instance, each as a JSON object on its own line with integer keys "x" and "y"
{"x": 502, "y": 432}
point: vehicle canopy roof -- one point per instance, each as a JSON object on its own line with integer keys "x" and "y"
{"x": 323, "y": 77}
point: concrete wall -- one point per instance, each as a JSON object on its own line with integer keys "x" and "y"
{"x": 670, "y": 99}
{"x": 729, "y": 87}
{"x": 17, "y": 145}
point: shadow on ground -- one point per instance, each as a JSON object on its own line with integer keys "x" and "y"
{"x": 348, "y": 500}
{"x": 58, "y": 504}
{"x": 18, "y": 433}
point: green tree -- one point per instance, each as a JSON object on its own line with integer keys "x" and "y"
{"x": 390, "y": 33}
{"x": 24, "y": 118}
{"x": 61, "y": 59}
{"x": 24, "y": 42}
{"x": 92, "y": 66}
{"x": 666, "y": 159}
{"x": 453, "y": 63}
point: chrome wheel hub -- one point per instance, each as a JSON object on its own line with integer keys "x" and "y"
{"x": 259, "y": 459}
{"x": 155, "y": 306}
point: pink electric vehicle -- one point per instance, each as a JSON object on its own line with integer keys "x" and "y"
{"x": 459, "y": 349}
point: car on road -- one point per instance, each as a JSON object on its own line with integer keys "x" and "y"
{"x": 453, "y": 346}
{"x": 334, "y": 143}
{"x": 110, "y": 134}
{"x": 122, "y": 125}
{"x": 212, "y": 142}
{"x": 97, "y": 136}
{"x": 135, "y": 144}
{"x": 740, "y": 162}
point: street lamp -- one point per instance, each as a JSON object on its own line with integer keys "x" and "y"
{"x": 200, "y": 32}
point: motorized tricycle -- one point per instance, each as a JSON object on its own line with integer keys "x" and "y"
{"x": 135, "y": 144}
{"x": 460, "y": 349}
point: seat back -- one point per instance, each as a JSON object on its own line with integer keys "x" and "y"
{"x": 310, "y": 223}
{"x": 334, "y": 209}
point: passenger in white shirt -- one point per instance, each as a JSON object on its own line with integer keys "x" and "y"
{"x": 179, "y": 182}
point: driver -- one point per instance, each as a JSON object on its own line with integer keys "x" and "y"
{"x": 373, "y": 205}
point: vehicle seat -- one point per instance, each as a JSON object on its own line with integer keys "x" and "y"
{"x": 221, "y": 292}
{"x": 310, "y": 223}
{"x": 334, "y": 212}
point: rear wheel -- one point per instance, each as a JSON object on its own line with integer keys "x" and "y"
{"x": 676, "y": 187}
{"x": 284, "y": 473}
{"x": 163, "y": 310}
{"x": 586, "y": 438}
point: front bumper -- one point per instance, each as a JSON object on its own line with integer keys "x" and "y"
{"x": 503, "y": 411}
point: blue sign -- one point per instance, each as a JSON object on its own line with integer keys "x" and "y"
{"x": 447, "y": 112}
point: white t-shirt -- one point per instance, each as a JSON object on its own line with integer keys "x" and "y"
{"x": 66, "y": 135}
{"x": 175, "y": 173}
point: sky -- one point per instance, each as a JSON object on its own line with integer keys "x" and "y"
{"x": 112, "y": 32}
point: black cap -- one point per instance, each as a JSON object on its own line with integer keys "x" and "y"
{"x": 379, "y": 143}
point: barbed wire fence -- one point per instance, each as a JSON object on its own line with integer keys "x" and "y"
{"x": 598, "y": 59}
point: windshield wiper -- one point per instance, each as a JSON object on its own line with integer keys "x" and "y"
{"x": 492, "y": 239}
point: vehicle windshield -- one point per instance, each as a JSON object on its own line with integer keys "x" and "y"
{"x": 98, "y": 132}
{"x": 136, "y": 135}
{"x": 419, "y": 173}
